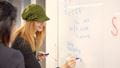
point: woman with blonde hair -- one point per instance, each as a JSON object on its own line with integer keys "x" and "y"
{"x": 29, "y": 37}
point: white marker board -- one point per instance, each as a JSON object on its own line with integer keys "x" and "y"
{"x": 82, "y": 28}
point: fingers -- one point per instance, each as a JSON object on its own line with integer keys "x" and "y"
{"x": 41, "y": 56}
{"x": 71, "y": 59}
{"x": 71, "y": 62}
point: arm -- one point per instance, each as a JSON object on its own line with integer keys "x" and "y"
{"x": 29, "y": 57}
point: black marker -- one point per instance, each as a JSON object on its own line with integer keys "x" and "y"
{"x": 77, "y": 58}
{"x": 46, "y": 54}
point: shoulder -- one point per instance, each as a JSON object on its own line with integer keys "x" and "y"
{"x": 6, "y": 50}
{"x": 21, "y": 45}
{"x": 11, "y": 56}
{"x": 12, "y": 53}
{"x": 17, "y": 59}
{"x": 19, "y": 39}
{"x": 17, "y": 55}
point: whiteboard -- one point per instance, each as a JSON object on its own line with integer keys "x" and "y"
{"x": 83, "y": 28}
{"x": 80, "y": 32}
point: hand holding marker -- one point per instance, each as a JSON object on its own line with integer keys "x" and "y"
{"x": 43, "y": 54}
{"x": 77, "y": 58}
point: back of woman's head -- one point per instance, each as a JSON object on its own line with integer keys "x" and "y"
{"x": 7, "y": 18}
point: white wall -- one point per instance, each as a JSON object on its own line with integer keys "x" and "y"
{"x": 51, "y": 33}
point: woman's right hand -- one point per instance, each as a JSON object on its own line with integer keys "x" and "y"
{"x": 70, "y": 63}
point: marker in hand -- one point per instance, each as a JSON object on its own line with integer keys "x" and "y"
{"x": 46, "y": 54}
{"x": 43, "y": 54}
{"x": 77, "y": 58}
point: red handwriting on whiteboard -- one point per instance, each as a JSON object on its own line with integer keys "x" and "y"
{"x": 115, "y": 26}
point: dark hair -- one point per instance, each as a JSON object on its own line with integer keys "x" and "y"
{"x": 7, "y": 17}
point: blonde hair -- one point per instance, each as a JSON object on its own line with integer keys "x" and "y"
{"x": 27, "y": 32}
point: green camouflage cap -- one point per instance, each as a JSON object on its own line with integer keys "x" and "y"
{"x": 34, "y": 12}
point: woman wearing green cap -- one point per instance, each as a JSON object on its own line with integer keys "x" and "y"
{"x": 30, "y": 36}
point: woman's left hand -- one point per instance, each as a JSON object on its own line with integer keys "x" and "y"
{"x": 41, "y": 56}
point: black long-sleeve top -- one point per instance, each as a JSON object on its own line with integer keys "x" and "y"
{"x": 29, "y": 56}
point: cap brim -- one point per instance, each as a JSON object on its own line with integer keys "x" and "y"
{"x": 44, "y": 19}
